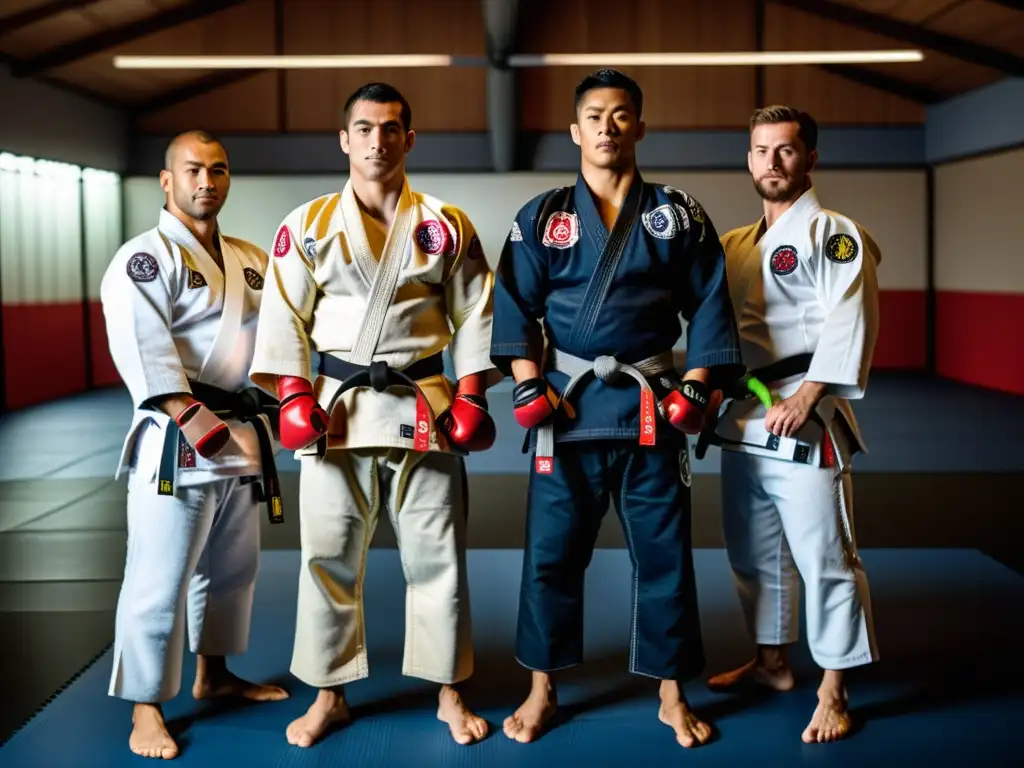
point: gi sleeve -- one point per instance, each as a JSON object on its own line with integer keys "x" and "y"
{"x": 286, "y": 309}
{"x": 520, "y": 288}
{"x": 844, "y": 267}
{"x": 712, "y": 339}
{"x": 469, "y": 296}
{"x": 138, "y": 292}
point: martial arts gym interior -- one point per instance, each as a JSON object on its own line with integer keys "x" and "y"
{"x": 920, "y": 109}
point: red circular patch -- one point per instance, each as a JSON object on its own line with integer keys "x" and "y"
{"x": 784, "y": 260}
{"x": 432, "y": 237}
{"x": 282, "y": 242}
{"x": 561, "y": 229}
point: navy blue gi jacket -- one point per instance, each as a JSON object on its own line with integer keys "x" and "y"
{"x": 672, "y": 265}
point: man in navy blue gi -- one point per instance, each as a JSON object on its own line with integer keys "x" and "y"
{"x": 604, "y": 269}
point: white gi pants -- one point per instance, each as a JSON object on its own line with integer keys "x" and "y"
{"x": 783, "y": 521}
{"x": 341, "y": 499}
{"x": 192, "y": 557}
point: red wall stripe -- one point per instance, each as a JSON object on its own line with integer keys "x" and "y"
{"x": 44, "y": 355}
{"x": 979, "y": 339}
{"x": 902, "y": 336}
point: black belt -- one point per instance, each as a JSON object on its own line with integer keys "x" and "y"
{"x": 378, "y": 375}
{"x": 245, "y": 406}
{"x": 781, "y": 369}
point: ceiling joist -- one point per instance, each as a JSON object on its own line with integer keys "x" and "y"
{"x": 958, "y": 48}
{"x": 110, "y": 38}
{"x": 38, "y": 13}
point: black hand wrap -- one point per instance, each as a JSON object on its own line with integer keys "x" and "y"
{"x": 528, "y": 390}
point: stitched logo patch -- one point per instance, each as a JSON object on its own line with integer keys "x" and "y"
{"x": 783, "y": 260}
{"x": 562, "y": 230}
{"x": 253, "y": 278}
{"x": 661, "y": 222}
{"x": 432, "y": 237}
{"x": 841, "y": 248}
{"x": 142, "y": 268}
{"x": 282, "y": 242}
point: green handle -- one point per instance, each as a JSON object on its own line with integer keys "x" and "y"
{"x": 760, "y": 391}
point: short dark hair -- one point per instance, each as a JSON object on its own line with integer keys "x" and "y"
{"x": 780, "y": 113}
{"x": 611, "y": 78}
{"x": 379, "y": 93}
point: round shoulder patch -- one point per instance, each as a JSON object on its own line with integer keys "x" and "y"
{"x": 841, "y": 248}
{"x": 142, "y": 268}
{"x": 253, "y": 278}
{"x": 783, "y": 260}
{"x": 282, "y": 242}
{"x": 432, "y": 237}
{"x": 309, "y": 246}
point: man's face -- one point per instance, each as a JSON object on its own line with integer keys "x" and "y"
{"x": 198, "y": 181}
{"x": 375, "y": 140}
{"x": 779, "y": 162}
{"x": 607, "y": 129}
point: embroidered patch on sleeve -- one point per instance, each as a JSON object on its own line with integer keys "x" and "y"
{"x": 282, "y": 242}
{"x": 142, "y": 268}
{"x": 432, "y": 237}
{"x": 195, "y": 278}
{"x": 841, "y": 248}
{"x": 253, "y": 278}
{"x": 783, "y": 260}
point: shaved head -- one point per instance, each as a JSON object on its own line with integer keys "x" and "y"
{"x": 195, "y": 177}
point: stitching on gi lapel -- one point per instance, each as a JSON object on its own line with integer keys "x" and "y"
{"x": 219, "y": 354}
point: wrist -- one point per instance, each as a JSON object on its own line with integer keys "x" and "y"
{"x": 812, "y": 392}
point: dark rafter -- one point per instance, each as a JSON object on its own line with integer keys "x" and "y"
{"x": 869, "y": 77}
{"x": 948, "y": 45}
{"x": 1013, "y": 5}
{"x": 30, "y": 16}
{"x": 110, "y": 38}
{"x": 192, "y": 89}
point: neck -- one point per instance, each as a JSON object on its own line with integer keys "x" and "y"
{"x": 205, "y": 231}
{"x": 773, "y": 209}
{"x": 609, "y": 185}
{"x": 379, "y": 198}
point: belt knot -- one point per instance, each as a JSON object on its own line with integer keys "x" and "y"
{"x": 607, "y": 368}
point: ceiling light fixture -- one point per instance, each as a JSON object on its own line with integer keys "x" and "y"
{"x": 522, "y": 60}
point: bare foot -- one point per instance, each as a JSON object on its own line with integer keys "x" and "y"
{"x": 464, "y": 725}
{"x": 149, "y": 737}
{"x": 754, "y": 672}
{"x": 329, "y": 709}
{"x": 528, "y": 722}
{"x": 675, "y": 712}
{"x": 227, "y": 684}
{"x": 831, "y": 719}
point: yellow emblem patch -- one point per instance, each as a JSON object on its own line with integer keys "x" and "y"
{"x": 841, "y": 248}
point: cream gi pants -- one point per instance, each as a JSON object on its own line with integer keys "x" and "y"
{"x": 783, "y": 521}
{"x": 192, "y": 558}
{"x": 341, "y": 499}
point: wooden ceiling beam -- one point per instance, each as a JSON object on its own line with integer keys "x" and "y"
{"x": 958, "y": 48}
{"x": 891, "y": 85}
{"x": 36, "y": 14}
{"x": 110, "y": 38}
{"x": 1013, "y": 5}
{"x": 191, "y": 89}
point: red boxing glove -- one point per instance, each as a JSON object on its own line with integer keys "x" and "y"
{"x": 203, "y": 430}
{"x": 302, "y": 419}
{"x": 686, "y": 408}
{"x": 533, "y": 402}
{"x": 467, "y": 424}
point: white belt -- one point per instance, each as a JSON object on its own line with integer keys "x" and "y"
{"x": 605, "y": 368}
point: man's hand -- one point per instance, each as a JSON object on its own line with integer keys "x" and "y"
{"x": 790, "y": 415}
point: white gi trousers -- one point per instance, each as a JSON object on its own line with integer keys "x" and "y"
{"x": 782, "y": 521}
{"x": 192, "y": 557}
{"x": 341, "y": 499}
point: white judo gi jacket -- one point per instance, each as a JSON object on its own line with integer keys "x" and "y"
{"x": 326, "y": 291}
{"x": 173, "y": 316}
{"x": 809, "y": 285}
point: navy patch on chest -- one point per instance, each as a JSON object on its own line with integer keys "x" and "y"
{"x": 195, "y": 278}
{"x": 253, "y": 278}
{"x": 841, "y": 248}
{"x": 309, "y": 246}
{"x": 662, "y": 222}
{"x": 142, "y": 268}
{"x": 783, "y": 260}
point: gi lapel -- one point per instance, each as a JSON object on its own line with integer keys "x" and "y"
{"x": 220, "y": 356}
{"x": 612, "y": 249}
{"x": 385, "y": 273}
{"x": 747, "y": 266}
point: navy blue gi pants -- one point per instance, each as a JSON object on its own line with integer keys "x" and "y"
{"x": 564, "y": 514}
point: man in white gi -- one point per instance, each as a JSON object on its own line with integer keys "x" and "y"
{"x": 379, "y": 280}
{"x": 181, "y": 303}
{"x": 804, "y": 287}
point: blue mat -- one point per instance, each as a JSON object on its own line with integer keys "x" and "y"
{"x": 948, "y": 689}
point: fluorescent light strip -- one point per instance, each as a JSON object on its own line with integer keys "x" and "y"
{"x": 768, "y": 58}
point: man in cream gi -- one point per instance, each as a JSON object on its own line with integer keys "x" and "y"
{"x": 803, "y": 283}
{"x": 181, "y": 302}
{"x": 379, "y": 280}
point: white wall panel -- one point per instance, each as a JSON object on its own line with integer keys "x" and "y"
{"x": 103, "y": 216}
